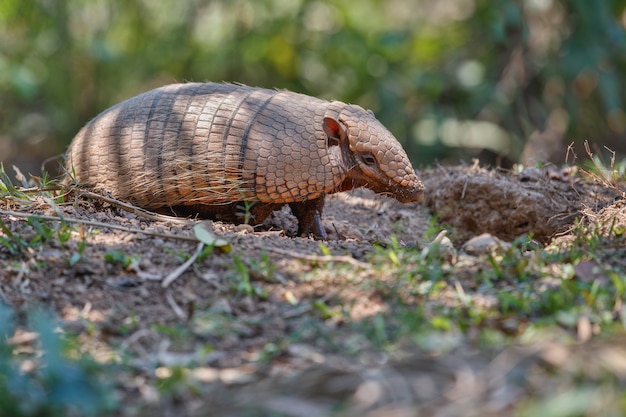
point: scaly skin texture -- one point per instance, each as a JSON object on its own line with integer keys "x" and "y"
{"x": 237, "y": 153}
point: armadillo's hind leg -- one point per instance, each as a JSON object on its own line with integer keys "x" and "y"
{"x": 309, "y": 215}
{"x": 257, "y": 212}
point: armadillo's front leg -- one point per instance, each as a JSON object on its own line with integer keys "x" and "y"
{"x": 309, "y": 215}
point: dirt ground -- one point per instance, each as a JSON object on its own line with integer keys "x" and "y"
{"x": 114, "y": 292}
{"x": 469, "y": 200}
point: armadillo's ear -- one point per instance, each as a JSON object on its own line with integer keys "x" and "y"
{"x": 335, "y": 130}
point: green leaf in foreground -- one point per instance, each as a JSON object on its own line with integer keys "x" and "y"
{"x": 210, "y": 239}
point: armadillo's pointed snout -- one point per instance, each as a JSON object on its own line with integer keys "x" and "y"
{"x": 411, "y": 194}
{"x": 408, "y": 186}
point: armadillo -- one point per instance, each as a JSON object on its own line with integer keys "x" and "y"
{"x": 236, "y": 153}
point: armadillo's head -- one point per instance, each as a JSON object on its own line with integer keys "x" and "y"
{"x": 374, "y": 157}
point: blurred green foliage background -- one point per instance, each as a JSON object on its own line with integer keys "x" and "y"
{"x": 519, "y": 78}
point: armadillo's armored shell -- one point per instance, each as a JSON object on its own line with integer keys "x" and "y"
{"x": 207, "y": 144}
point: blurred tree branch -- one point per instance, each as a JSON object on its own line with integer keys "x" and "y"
{"x": 518, "y": 77}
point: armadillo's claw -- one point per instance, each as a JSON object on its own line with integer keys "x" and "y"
{"x": 309, "y": 215}
{"x": 318, "y": 228}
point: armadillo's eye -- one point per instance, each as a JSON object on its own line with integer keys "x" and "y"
{"x": 369, "y": 159}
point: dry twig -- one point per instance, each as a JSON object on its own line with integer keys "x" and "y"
{"x": 134, "y": 209}
{"x": 96, "y": 224}
{"x": 178, "y": 271}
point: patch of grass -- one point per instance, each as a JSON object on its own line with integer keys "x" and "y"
{"x": 77, "y": 255}
{"x": 497, "y": 296}
{"x": 241, "y": 278}
{"x": 13, "y": 243}
{"x": 610, "y": 173}
{"x": 181, "y": 255}
{"x": 8, "y": 189}
{"x": 34, "y": 232}
{"x": 244, "y": 210}
{"x": 117, "y": 257}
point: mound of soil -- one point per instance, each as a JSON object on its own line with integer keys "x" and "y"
{"x": 542, "y": 203}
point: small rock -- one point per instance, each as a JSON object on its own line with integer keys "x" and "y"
{"x": 484, "y": 244}
{"x": 123, "y": 283}
{"x": 531, "y": 174}
{"x": 245, "y": 228}
{"x": 441, "y": 245}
